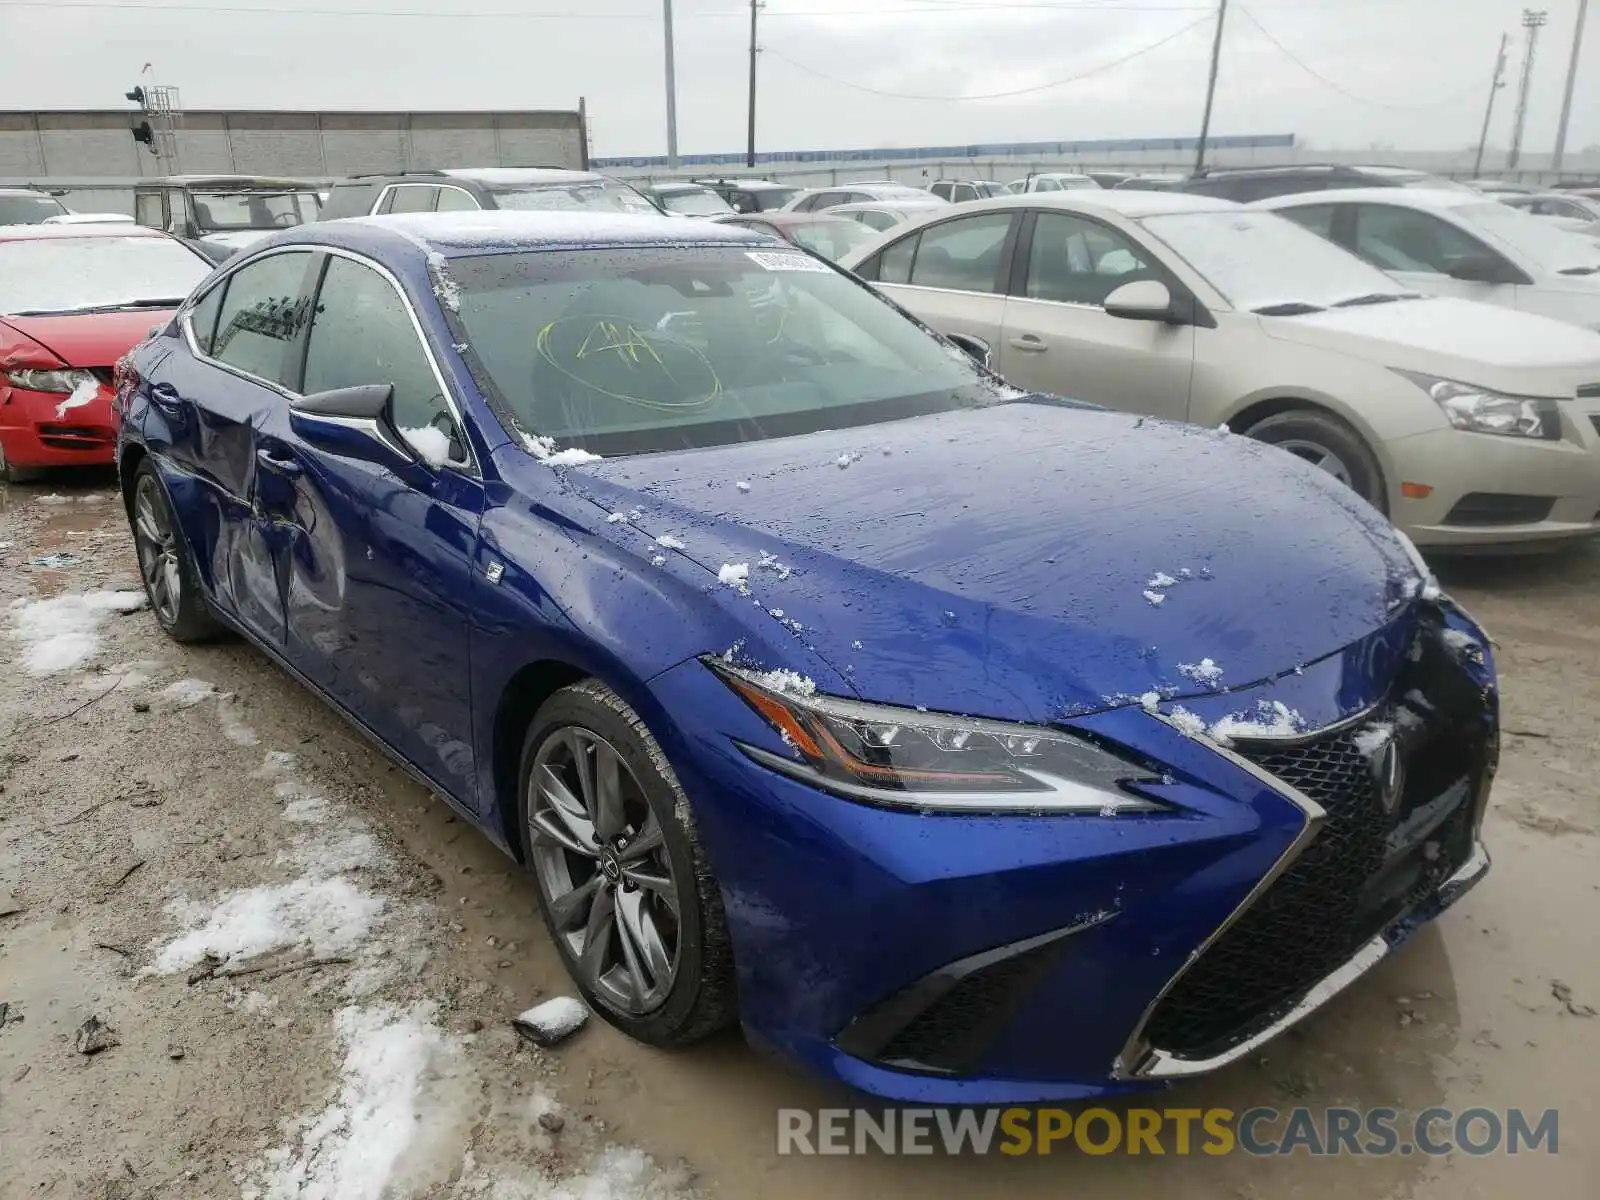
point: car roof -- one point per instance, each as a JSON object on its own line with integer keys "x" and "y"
{"x": 784, "y": 219}
{"x": 1405, "y": 197}
{"x": 227, "y": 181}
{"x": 511, "y": 176}
{"x": 677, "y": 185}
{"x": 750, "y": 185}
{"x": 905, "y": 203}
{"x": 499, "y": 230}
{"x": 1130, "y": 204}
{"x": 22, "y": 191}
{"x": 28, "y": 233}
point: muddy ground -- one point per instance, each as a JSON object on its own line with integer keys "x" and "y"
{"x": 149, "y": 782}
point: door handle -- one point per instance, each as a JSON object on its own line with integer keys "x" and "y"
{"x": 166, "y": 398}
{"x": 279, "y": 462}
{"x": 1030, "y": 342}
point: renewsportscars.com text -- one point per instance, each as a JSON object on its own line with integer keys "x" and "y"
{"x": 1326, "y": 1132}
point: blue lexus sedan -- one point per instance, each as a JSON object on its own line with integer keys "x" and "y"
{"x": 964, "y": 745}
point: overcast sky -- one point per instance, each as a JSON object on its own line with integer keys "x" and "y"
{"x": 1408, "y": 74}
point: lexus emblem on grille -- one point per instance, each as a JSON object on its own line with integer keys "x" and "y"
{"x": 1391, "y": 772}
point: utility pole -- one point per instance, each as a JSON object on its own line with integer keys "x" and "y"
{"x": 750, "y": 151}
{"x": 672, "y": 88}
{"x": 1532, "y": 22}
{"x": 1211, "y": 87}
{"x": 1572, "y": 79}
{"x": 1488, "y": 112}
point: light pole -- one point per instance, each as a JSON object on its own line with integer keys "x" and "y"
{"x": 1572, "y": 79}
{"x": 1532, "y": 22}
{"x": 672, "y": 88}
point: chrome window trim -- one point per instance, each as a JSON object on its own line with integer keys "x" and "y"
{"x": 1138, "y": 1059}
{"x": 454, "y": 187}
{"x": 377, "y": 206}
{"x": 471, "y": 467}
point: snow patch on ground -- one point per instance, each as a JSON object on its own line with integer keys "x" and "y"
{"x": 325, "y": 916}
{"x": 618, "y": 1173}
{"x": 556, "y": 1018}
{"x": 64, "y": 631}
{"x": 186, "y": 693}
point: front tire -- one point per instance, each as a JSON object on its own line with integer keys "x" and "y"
{"x": 165, "y": 566}
{"x": 624, "y": 882}
{"x": 1331, "y": 445}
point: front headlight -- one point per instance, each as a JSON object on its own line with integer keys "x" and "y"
{"x": 35, "y": 380}
{"x": 913, "y": 759}
{"x": 1482, "y": 410}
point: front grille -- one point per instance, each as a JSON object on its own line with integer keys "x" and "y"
{"x": 1499, "y": 508}
{"x": 1365, "y": 869}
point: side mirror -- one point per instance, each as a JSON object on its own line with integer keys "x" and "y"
{"x": 1480, "y": 268}
{"x": 352, "y": 422}
{"x": 1141, "y": 300}
{"x": 974, "y": 348}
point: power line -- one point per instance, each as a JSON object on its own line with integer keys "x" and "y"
{"x": 1343, "y": 91}
{"x": 1043, "y": 87}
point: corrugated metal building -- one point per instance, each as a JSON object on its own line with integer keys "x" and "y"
{"x": 98, "y": 144}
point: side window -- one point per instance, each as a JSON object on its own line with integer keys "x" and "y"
{"x": 147, "y": 210}
{"x": 894, "y": 264}
{"x": 454, "y": 199}
{"x": 1074, "y": 261}
{"x": 876, "y": 219}
{"x": 1046, "y": 185}
{"x": 962, "y": 255}
{"x": 1404, "y": 239}
{"x": 942, "y": 190}
{"x": 963, "y": 191}
{"x": 410, "y": 198}
{"x": 203, "y": 317}
{"x": 362, "y": 333}
{"x": 261, "y": 314}
{"x": 177, "y": 213}
{"x": 1318, "y": 218}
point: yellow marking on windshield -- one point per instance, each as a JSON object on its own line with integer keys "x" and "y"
{"x": 627, "y": 341}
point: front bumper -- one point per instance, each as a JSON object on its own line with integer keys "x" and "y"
{"x": 1493, "y": 491}
{"x": 37, "y": 431}
{"x": 948, "y": 959}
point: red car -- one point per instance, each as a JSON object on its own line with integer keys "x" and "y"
{"x": 73, "y": 300}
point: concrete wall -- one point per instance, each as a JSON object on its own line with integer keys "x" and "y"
{"x": 88, "y": 145}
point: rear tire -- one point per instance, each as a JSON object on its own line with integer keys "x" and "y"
{"x": 1326, "y": 442}
{"x": 165, "y": 564}
{"x": 652, "y": 958}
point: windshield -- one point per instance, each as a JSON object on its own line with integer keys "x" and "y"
{"x": 764, "y": 199}
{"x": 831, "y": 239}
{"x": 605, "y": 195}
{"x": 1542, "y": 243}
{"x": 63, "y": 275}
{"x": 634, "y": 350}
{"x": 1258, "y": 260}
{"x": 696, "y": 204}
{"x": 227, "y": 212}
{"x": 28, "y": 210}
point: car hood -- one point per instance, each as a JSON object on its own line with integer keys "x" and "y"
{"x": 91, "y": 339}
{"x": 1495, "y": 347}
{"x": 1029, "y": 560}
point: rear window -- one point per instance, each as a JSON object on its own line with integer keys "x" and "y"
{"x": 234, "y": 212}
{"x": 66, "y": 275}
{"x": 351, "y": 200}
{"x": 29, "y": 210}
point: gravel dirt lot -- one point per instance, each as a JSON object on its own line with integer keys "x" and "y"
{"x": 158, "y": 801}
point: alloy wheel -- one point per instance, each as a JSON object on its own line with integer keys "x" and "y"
{"x": 1320, "y": 457}
{"x": 601, "y": 860}
{"x": 157, "y": 544}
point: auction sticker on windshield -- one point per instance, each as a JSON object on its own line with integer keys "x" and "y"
{"x": 784, "y": 262}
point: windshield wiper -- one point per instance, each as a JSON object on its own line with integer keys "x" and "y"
{"x": 118, "y": 306}
{"x": 1579, "y": 271}
{"x": 1376, "y": 298}
{"x": 1289, "y": 308}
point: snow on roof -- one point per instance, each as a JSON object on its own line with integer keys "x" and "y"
{"x": 470, "y": 231}
{"x": 510, "y": 176}
{"x": 1406, "y": 197}
{"x": 121, "y": 229}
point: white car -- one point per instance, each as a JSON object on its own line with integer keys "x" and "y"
{"x": 1469, "y": 426}
{"x": 854, "y": 193}
{"x": 886, "y": 214}
{"x": 1462, "y": 244}
{"x": 1056, "y": 181}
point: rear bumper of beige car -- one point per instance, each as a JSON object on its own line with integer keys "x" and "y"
{"x": 1498, "y": 492}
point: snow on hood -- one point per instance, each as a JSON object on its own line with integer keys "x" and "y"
{"x": 996, "y": 560}
{"x": 1455, "y": 339}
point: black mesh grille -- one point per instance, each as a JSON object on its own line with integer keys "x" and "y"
{"x": 948, "y": 1034}
{"x": 1367, "y": 866}
{"x": 1499, "y": 508}
{"x": 1302, "y": 927}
